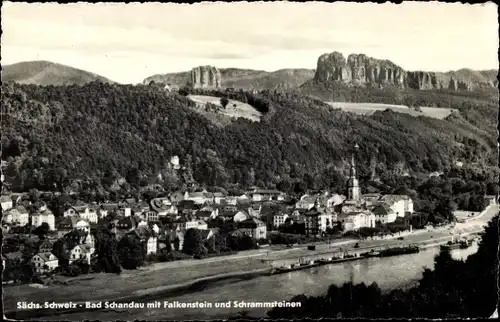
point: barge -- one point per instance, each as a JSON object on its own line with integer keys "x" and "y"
{"x": 399, "y": 251}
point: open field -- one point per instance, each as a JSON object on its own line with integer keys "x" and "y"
{"x": 234, "y": 109}
{"x": 370, "y": 108}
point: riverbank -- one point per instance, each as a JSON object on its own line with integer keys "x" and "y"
{"x": 142, "y": 296}
{"x": 183, "y": 276}
{"x": 148, "y": 294}
{"x": 260, "y": 285}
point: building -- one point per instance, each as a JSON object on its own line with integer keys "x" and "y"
{"x": 318, "y": 220}
{"x": 266, "y": 195}
{"x": 199, "y": 197}
{"x": 400, "y": 204}
{"x": 45, "y": 247}
{"x": 353, "y": 221}
{"x": 174, "y": 161}
{"x": 37, "y": 219}
{"x": 371, "y": 199}
{"x": 353, "y": 189}
{"x": 82, "y": 252}
{"x": 69, "y": 224}
{"x": 84, "y": 212}
{"x": 306, "y": 202}
{"x": 253, "y": 227}
{"x": 18, "y": 216}
{"x": 147, "y": 237}
{"x": 207, "y": 213}
{"x": 202, "y": 225}
{"x": 384, "y": 214}
{"x": 490, "y": 200}
{"x": 240, "y": 216}
{"x": 45, "y": 262}
{"x": 279, "y": 219}
{"x": 6, "y": 202}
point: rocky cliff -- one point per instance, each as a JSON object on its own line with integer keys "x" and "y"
{"x": 361, "y": 70}
{"x": 205, "y": 77}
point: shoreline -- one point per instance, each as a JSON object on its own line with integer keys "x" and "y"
{"x": 151, "y": 294}
{"x": 150, "y": 280}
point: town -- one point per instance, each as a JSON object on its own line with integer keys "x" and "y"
{"x": 187, "y": 224}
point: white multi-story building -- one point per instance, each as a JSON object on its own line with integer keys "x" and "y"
{"x": 356, "y": 220}
{"x": 400, "y": 204}
{"x": 6, "y": 202}
{"x": 45, "y": 262}
{"x": 279, "y": 219}
{"x": 318, "y": 220}
{"x": 84, "y": 212}
{"x": 46, "y": 216}
{"x": 19, "y": 216}
{"x": 384, "y": 214}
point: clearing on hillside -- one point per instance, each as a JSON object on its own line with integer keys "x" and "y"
{"x": 233, "y": 110}
{"x": 370, "y": 108}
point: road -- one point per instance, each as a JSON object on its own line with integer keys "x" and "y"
{"x": 271, "y": 253}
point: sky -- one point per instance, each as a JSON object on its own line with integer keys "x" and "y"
{"x": 129, "y": 42}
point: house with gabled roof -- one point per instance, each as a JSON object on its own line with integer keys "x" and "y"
{"x": 45, "y": 262}
{"x": 147, "y": 237}
{"x": 384, "y": 214}
{"x": 6, "y": 202}
{"x": 18, "y": 216}
{"x": 82, "y": 252}
{"x": 86, "y": 212}
{"x": 69, "y": 224}
{"x": 253, "y": 227}
{"x": 400, "y": 204}
{"x": 45, "y": 247}
{"x": 241, "y": 216}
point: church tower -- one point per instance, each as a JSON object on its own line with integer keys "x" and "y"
{"x": 353, "y": 190}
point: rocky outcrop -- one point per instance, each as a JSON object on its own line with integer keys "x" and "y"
{"x": 358, "y": 70}
{"x": 205, "y": 77}
{"x": 361, "y": 70}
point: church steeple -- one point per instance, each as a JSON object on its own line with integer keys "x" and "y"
{"x": 353, "y": 189}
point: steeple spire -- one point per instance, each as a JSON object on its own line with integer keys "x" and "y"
{"x": 354, "y": 192}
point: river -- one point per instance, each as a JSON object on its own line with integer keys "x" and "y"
{"x": 389, "y": 273}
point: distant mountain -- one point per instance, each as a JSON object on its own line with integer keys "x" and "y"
{"x": 47, "y": 73}
{"x": 244, "y": 78}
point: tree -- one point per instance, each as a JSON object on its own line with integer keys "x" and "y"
{"x": 42, "y": 230}
{"x": 131, "y": 252}
{"x": 193, "y": 242}
{"x": 106, "y": 249}
{"x": 224, "y": 101}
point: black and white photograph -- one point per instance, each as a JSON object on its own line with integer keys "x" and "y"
{"x": 249, "y": 160}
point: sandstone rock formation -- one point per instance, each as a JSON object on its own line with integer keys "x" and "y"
{"x": 205, "y": 77}
{"x": 361, "y": 70}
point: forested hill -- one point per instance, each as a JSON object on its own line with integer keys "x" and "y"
{"x": 48, "y": 73}
{"x": 108, "y": 136}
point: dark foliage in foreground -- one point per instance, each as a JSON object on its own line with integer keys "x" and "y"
{"x": 453, "y": 289}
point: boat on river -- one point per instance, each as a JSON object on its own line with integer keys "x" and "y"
{"x": 399, "y": 251}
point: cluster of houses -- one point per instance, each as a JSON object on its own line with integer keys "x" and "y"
{"x": 165, "y": 220}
